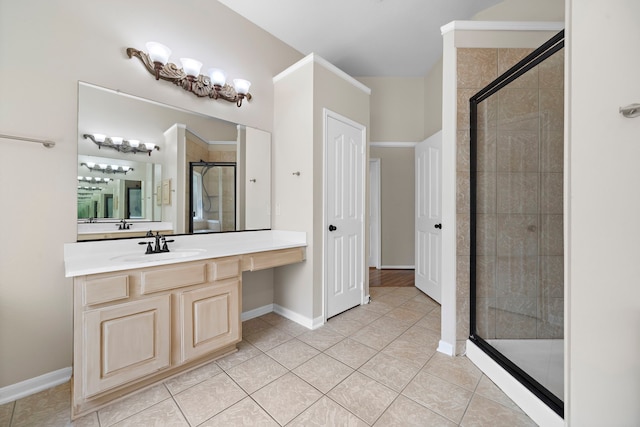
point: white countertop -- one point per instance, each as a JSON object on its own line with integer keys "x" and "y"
{"x": 112, "y": 255}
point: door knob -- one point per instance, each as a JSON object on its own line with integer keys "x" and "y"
{"x": 438, "y": 226}
{"x": 332, "y": 228}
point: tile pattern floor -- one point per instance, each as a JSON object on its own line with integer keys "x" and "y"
{"x": 372, "y": 365}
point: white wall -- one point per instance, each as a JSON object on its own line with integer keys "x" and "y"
{"x": 299, "y": 147}
{"x": 523, "y": 10}
{"x": 603, "y": 291}
{"x": 46, "y": 47}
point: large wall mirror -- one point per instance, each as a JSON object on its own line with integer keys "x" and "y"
{"x": 128, "y": 187}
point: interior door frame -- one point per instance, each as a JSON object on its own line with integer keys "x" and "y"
{"x": 375, "y": 241}
{"x": 326, "y": 113}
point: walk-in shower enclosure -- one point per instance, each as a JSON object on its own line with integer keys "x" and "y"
{"x": 516, "y": 223}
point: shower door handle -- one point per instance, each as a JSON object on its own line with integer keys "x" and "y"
{"x": 438, "y": 226}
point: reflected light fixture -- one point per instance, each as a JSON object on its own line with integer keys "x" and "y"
{"x": 94, "y": 180}
{"x": 213, "y": 84}
{"x": 120, "y": 144}
{"x": 104, "y": 168}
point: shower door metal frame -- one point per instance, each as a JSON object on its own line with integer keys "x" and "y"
{"x": 549, "y": 48}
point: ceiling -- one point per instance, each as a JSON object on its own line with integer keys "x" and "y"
{"x": 364, "y": 38}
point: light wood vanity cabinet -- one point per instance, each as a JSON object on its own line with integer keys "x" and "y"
{"x": 207, "y": 320}
{"x": 125, "y": 342}
{"x": 133, "y": 328}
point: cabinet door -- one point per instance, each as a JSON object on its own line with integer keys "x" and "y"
{"x": 125, "y": 342}
{"x": 210, "y": 318}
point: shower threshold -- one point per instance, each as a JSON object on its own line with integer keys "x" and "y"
{"x": 542, "y": 359}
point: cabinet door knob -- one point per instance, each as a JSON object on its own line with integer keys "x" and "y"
{"x": 332, "y": 228}
{"x": 438, "y": 226}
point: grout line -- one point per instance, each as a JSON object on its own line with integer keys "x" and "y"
{"x": 178, "y": 405}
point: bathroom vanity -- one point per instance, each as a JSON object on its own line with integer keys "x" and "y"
{"x": 141, "y": 318}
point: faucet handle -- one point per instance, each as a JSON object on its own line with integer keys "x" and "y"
{"x": 149, "y": 234}
{"x": 149, "y": 248}
{"x": 165, "y": 248}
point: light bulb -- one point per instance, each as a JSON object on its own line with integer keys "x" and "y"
{"x": 98, "y": 137}
{"x": 191, "y": 67}
{"x": 241, "y": 86}
{"x": 117, "y": 140}
{"x": 158, "y": 52}
{"x": 217, "y": 76}
{"x": 134, "y": 143}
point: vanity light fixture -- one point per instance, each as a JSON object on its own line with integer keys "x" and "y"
{"x": 213, "y": 85}
{"x": 106, "y": 169}
{"x": 120, "y": 144}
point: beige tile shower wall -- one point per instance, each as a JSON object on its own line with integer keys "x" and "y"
{"x": 519, "y": 176}
{"x": 476, "y": 69}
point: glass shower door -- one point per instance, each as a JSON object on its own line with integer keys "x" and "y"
{"x": 517, "y": 287}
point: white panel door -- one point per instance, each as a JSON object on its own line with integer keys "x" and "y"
{"x": 345, "y": 260}
{"x": 428, "y": 274}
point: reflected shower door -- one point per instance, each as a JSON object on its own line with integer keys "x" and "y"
{"x": 212, "y": 197}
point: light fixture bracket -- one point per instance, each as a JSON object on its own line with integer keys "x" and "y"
{"x": 200, "y": 86}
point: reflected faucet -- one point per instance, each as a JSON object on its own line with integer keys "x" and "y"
{"x": 123, "y": 225}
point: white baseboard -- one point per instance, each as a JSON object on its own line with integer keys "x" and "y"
{"x": 317, "y": 322}
{"x": 539, "y": 412}
{"x": 298, "y": 318}
{"x": 398, "y": 267}
{"x": 446, "y": 348}
{"x": 284, "y": 312}
{"x": 33, "y": 385}
{"x": 256, "y": 312}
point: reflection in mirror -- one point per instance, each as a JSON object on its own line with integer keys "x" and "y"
{"x": 150, "y": 189}
{"x": 103, "y": 194}
{"x": 213, "y": 197}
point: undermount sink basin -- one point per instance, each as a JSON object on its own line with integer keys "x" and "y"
{"x": 162, "y": 256}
